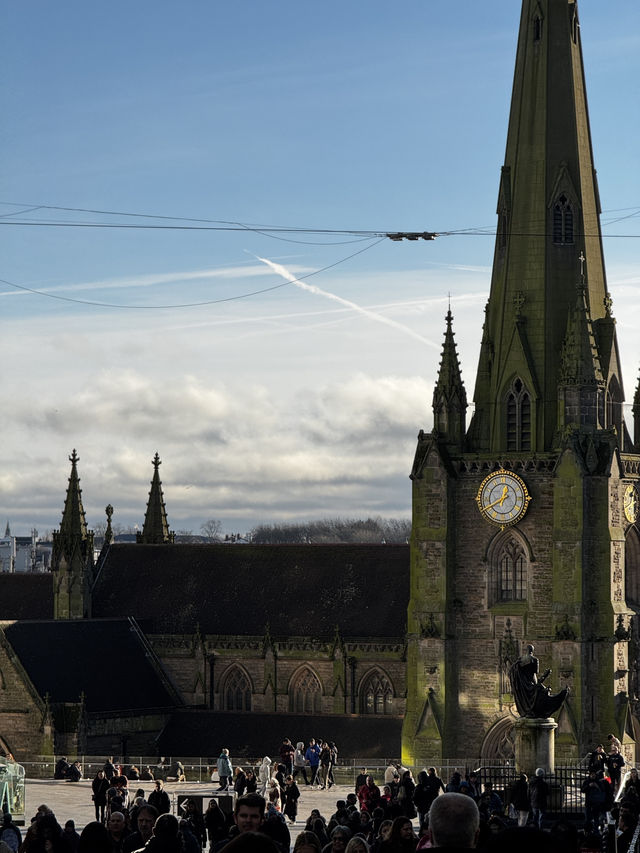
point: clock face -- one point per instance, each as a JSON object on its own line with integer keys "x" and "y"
{"x": 631, "y": 503}
{"x": 503, "y": 498}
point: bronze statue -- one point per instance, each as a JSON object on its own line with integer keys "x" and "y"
{"x": 532, "y": 698}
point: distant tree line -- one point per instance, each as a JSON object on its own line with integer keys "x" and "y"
{"x": 332, "y": 530}
{"x": 324, "y": 531}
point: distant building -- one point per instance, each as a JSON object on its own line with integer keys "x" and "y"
{"x": 23, "y": 553}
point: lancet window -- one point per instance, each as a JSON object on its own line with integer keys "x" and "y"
{"x": 563, "y": 222}
{"x": 376, "y": 694}
{"x": 306, "y": 693}
{"x": 236, "y": 692}
{"x": 518, "y": 417}
{"x": 509, "y": 571}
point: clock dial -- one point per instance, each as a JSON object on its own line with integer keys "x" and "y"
{"x": 503, "y": 498}
{"x": 631, "y": 503}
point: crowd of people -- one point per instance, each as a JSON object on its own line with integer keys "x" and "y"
{"x": 394, "y": 814}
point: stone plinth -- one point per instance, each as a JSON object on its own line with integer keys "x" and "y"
{"x": 535, "y": 744}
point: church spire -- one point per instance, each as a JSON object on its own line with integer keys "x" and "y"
{"x": 155, "y": 530}
{"x": 449, "y": 394}
{"x": 548, "y": 216}
{"x": 72, "y": 559}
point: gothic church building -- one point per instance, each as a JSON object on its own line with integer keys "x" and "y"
{"x": 525, "y": 530}
{"x": 524, "y": 520}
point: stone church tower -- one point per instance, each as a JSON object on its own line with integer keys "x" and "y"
{"x": 524, "y": 523}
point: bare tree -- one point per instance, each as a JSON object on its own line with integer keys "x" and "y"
{"x": 212, "y": 530}
{"x": 331, "y": 530}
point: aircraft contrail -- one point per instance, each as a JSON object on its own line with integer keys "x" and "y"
{"x": 372, "y": 315}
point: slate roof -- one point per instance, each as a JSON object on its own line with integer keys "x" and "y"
{"x": 26, "y": 595}
{"x": 204, "y": 733}
{"x": 104, "y": 659}
{"x": 299, "y": 590}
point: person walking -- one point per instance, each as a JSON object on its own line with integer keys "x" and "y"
{"x": 225, "y": 771}
{"x": 538, "y": 796}
{"x": 312, "y": 755}
{"x": 264, "y": 775}
{"x": 300, "y": 762}
{"x": 291, "y": 795}
{"x": 99, "y": 786}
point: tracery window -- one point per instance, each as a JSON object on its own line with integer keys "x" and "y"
{"x": 518, "y": 417}
{"x": 509, "y": 571}
{"x": 376, "y": 694}
{"x": 236, "y": 692}
{"x": 563, "y": 222}
{"x": 306, "y": 693}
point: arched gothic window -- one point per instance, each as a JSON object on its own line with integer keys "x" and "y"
{"x": 518, "y": 417}
{"x": 236, "y": 691}
{"x": 376, "y": 694}
{"x": 563, "y": 222}
{"x": 509, "y": 567}
{"x": 306, "y": 693}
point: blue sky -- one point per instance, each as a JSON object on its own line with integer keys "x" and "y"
{"x": 360, "y": 116}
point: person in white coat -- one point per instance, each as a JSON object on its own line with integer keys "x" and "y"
{"x": 264, "y": 775}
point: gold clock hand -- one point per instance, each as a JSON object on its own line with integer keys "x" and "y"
{"x": 500, "y": 500}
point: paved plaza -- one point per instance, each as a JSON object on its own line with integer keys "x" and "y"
{"x": 70, "y": 800}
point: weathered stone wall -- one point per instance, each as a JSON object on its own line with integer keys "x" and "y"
{"x": 199, "y": 670}
{"x": 24, "y": 723}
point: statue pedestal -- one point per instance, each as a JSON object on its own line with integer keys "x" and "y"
{"x": 535, "y": 744}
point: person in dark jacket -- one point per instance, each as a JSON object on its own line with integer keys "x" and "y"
{"x": 595, "y": 797}
{"x": 406, "y": 790}
{"x": 159, "y": 798}
{"x": 429, "y": 787}
{"x": 538, "y": 796}
{"x": 615, "y": 762}
{"x": 453, "y": 786}
{"x": 291, "y": 795}
{"x": 251, "y": 782}
{"x": 61, "y": 768}
{"x": 239, "y": 781}
{"x": 215, "y": 822}
{"x": 99, "y": 786}
{"x": 597, "y": 760}
{"x": 519, "y": 798}
{"x": 10, "y": 833}
{"x": 145, "y": 821}
{"x": 195, "y": 821}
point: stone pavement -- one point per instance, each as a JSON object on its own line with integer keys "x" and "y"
{"x": 70, "y": 800}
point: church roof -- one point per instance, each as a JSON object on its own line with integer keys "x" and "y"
{"x": 192, "y": 733}
{"x": 25, "y": 595}
{"x": 103, "y": 659}
{"x": 298, "y": 590}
